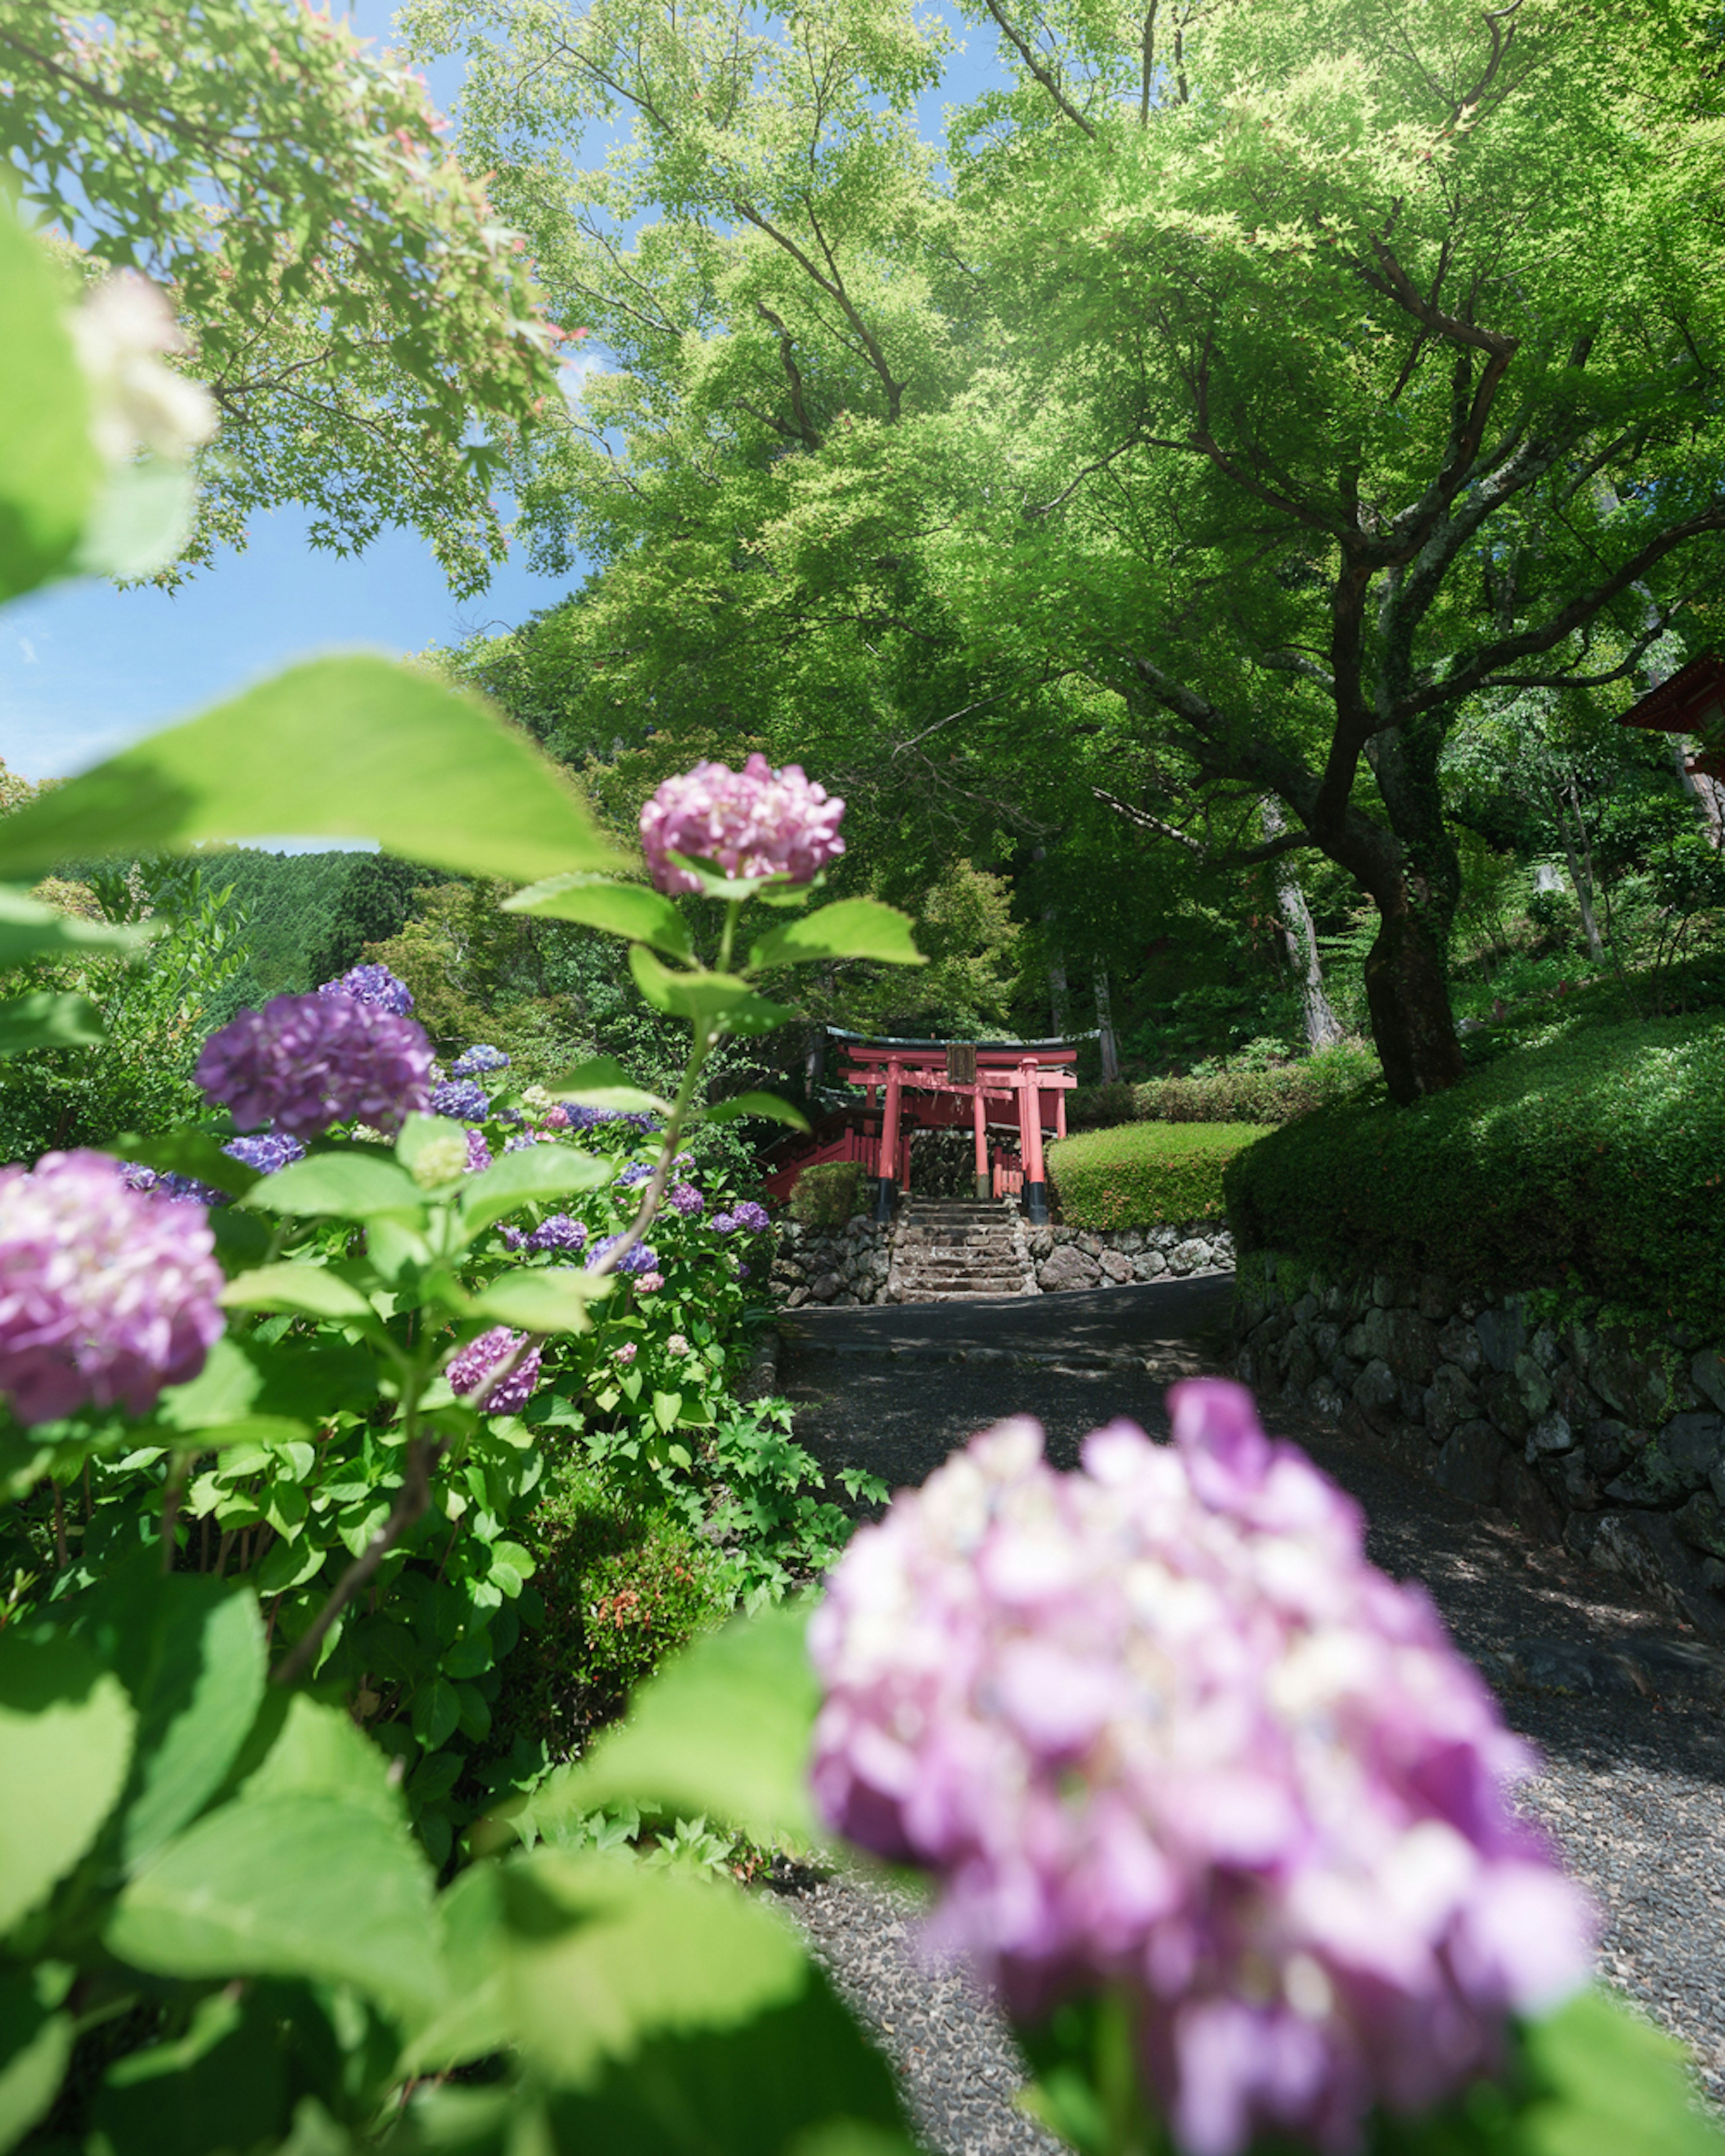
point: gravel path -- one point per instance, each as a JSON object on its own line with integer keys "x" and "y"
{"x": 1624, "y": 1707}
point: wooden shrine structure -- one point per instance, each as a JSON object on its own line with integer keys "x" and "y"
{"x": 1020, "y": 1086}
{"x": 1692, "y": 701}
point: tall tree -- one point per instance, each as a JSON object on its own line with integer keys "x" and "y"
{"x": 1296, "y": 384}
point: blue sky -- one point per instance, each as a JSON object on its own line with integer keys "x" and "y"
{"x": 85, "y": 668}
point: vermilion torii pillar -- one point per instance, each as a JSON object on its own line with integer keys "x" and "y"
{"x": 1030, "y": 1124}
{"x": 979, "y": 1111}
{"x": 886, "y": 1183}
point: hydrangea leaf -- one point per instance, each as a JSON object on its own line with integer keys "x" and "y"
{"x": 354, "y": 747}
{"x": 45, "y": 1019}
{"x": 359, "y": 1185}
{"x": 716, "y": 999}
{"x": 553, "y": 1301}
{"x": 306, "y": 1291}
{"x": 540, "y": 1171}
{"x": 849, "y": 928}
{"x": 29, "y": 929}
{"x": 723, "y": 1730}
{"x": 294, "y": 1884}
{"x": 140, "y": 522}
{"x": 66, "y": 1731}
{"x": 35, "y": 2045}
{"x": 602, "y": 1084}
{"x": 49, "y": 469}
{"x": 189, "y": 1650}
{"x": 195, "y": 1154}
{"x": 624, "y": 909}
{"x": 1614, "y": 2083}
{"x": 757, "y": 1104}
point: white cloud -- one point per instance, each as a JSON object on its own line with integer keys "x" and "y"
{"x": 28, "y": 649}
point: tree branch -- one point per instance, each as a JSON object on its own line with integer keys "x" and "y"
{"x": 1045, "y": 75}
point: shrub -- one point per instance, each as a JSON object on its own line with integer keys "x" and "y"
{"x": 1099, "y": 1108}
{"x": 1141, "y": 1175}
{"x": 1595, "y": 1163}
{"x": 1273, "y": 1095}
{"x": 827, "y": 1194}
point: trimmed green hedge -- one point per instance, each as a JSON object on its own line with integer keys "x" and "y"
{"x": 1142, "y": 1175}
{"x": 1596, "y": 1162}
{"x": 1240, "y": 1095}
{"x": 825, "y": 1196}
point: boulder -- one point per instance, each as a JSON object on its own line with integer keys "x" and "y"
{"x": 1502, "y": 1397}
{"x": 1116, "y": 1264}
{"x": 1376, "y": 1393}
{"x": 825, "y": 1288}
{"x": 1467, "y": 1465}
{"x": 1302, "y": 1366}
{"x": 1068, "y": 1267}
{"x": 1451, "y": 1399}
{"x": 1535, "y": 1385}
{"x": 1436, "y": 1298}
{"x": 1503, "y": 1335}
{"x": 1410, "y": 1346}
{"x": 1565, "y": 1474}
{"x": 1551, "y": 1434}
{"x": 1706, "y": 1373}
{"x": 1629, "y": 1377}
{"x": 1676, "y": 1464}
{"x": 1458, "y": 1342}
{"x": 1701, "y": 1523}
{"x": 1327, "y": 1398}
{"x": 1524, "y": 1497}
{"x": 1091, "y": 1245}
{"x": 1188, "y": 1257}
{"x": 1148, "y": 1264}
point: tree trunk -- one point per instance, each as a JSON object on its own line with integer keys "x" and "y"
{"x": 1104, "y": 1028}
{"x": 1323, "y": 1028}
{"x": 1583, "y": 889}
{"x": 1057, "y": 990}
{"x": 1408, "y": 995}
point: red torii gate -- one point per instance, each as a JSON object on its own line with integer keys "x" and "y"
{"x": 956, "y": 1072}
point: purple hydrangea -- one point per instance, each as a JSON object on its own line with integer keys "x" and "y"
{"x": 558, "y": 1232}
{"x": 755, "y": 822}
{"x": 687, "y": 1199}
{"x": 461, "y": 1099}
{"x": 724, "y": 1223}
{"x": 165, "y": 1183}
{"x": 304, "y": 1062}
{"x": 375, "y": 985}
{"x": 476, "y": 1060}
{"x": 269, "y": 1152}
{"x": 642, "y": 1259}
{"x": 525, "y": 1140}
{"x": 479, "y": 1154}
{"x": 751, "y": 1217}
{"x": 635, "y": 1175}
{"x": 105, "y": 1294}
{"x": 592, "y": 1119}
{"x": 1158, "y": 1724}
{"x": 468, "y": 1370}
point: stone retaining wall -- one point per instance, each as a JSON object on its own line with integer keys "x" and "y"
{"x": 1110, "y": 1257}
{"x": 841, "y": 1265}
{"x": 1610, "y": 1441}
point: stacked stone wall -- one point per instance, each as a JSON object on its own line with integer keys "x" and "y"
{"x": 1110, "y": 1257}
{"x": 839, "y": 1266}
{"x": 1609, "y": 1440}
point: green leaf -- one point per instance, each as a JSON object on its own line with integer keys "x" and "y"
{"x": 29, "y": 929}
{"x": 540, "y": 1171}
{"x": 354, "y": 747}
{"x": 624, "y": 909}
{"x": 757, "y": 1104}
{"x": 552, "y": 1300}
{"x": 602, "y": 1954}
{"x": 476, "y": 2021}
{"x": 140, "y": 520}
{"x": 306, "y": 1291}
{"x": 601, "y": 1084}
{"x": 719, "y": 999}
{"x": 187, "y": 1152}
{"x": 723, "y": 1729}
{"x": 35, "y": 2045}
{"x": 189, "y": 1650}
{"x": 65, "y": 1743}
{"x": 667, "y": 1408}
{"x": 851, "y": 928}
{"x": 357, "y": 1185}
{"x": 437, "y": 1708}
{"x": 49, "y": 470}
{"x": 1615, "y": 2085}
{"x": 222, "y": 2084}
{"x": 295, "y": 1884}
{"x": 43, "y": 1019}
{"x": 242, "y": 1379}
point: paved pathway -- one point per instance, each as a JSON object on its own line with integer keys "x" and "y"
{"x": 1635, "y": 1783}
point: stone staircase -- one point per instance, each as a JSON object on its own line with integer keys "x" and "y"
{"x": 954, "y": 1251}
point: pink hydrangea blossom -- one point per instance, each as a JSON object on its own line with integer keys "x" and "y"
{"x": 106, "y": 1294}
{"x": 468, "y": 1371}
{"x": 650, "y": 1283}
{"x": 755, "y": 822}
{"x": 625, "y": 1354}
{"x": 676, "y": 1345}
{"x": 1159, "y": 1724}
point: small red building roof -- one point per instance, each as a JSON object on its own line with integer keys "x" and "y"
{"x": 1692, "y": 701}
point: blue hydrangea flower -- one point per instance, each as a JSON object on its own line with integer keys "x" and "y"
{"x": 724, "y": 1225}
{"x": 643, "y": 1258}
{"x": 269, "y": 1152}
{"x": 559, "y": 1233}
{"x": 462, "y": 1099}
{"x": 591, "y": 1119}
{"x": 635, "y": 1175}
{"x": 752, "y": 1218}
{"x": 478, "y": 1060}
{"x": 372, "y": 984}
{"x": 525, "y": 1140}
